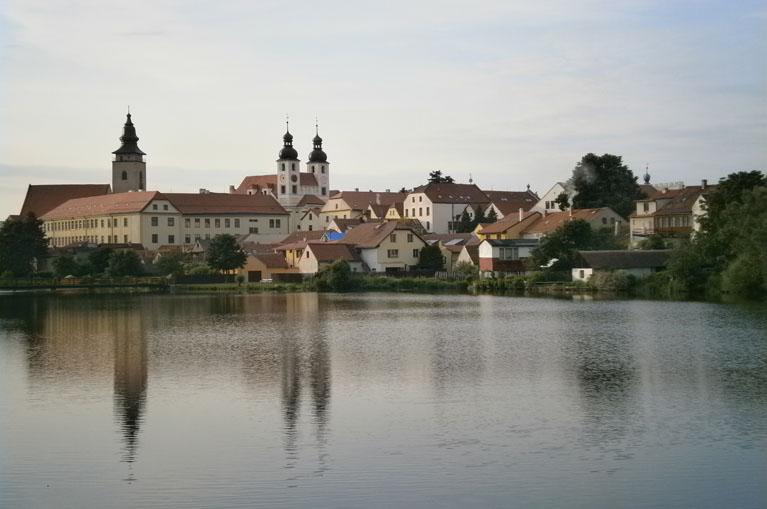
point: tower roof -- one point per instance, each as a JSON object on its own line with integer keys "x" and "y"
{"x": 288, "y": 153}
{"x": 129, "y": 140}
{"x": 317, "y": 155}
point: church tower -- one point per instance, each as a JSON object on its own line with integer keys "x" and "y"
{"x": 128, "y": 166}
{"x": 288, "y": 173}
{"x": 318, "y": 164}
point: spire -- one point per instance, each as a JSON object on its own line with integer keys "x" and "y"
{"x": 317, "y": 155}
{"x": 129, "y": 139}
{"x": 647, "y": 174}
{"x": 288, "y": 152}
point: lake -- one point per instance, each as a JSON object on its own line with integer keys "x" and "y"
{"x": 380, "y": 400}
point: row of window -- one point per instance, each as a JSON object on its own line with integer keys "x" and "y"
{"x": 83, "y": 224}
{"x": 94, "y": 239}
{"x": 672, "y": 221}
{"x": 508, "y": 253}
{"x": 394, "y": 253}
{"x": 420, "y": 212}
{"x": 393, "y": 237}
{"x": 217, "y": 222}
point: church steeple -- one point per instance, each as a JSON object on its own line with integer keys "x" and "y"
{"x": 129, "y": 139}
{"x": 317, "y": 155}
{"x": 288, "y": 153}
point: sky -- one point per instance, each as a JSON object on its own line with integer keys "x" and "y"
{"x": 510, "y": 93}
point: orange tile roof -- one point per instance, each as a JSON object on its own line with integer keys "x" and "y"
{"x": 310, "y": 199}
{"x": 370, "y": 235}
{"x": 224, "y": 203}
{"x": 41, "y": 199}
{"x": 359, "y": 200}
{"x": 257, "y": 182}
{"x": 116, "y": 203}
{"x": 552, "y": 221}
{"x": 271, "y": 260}
{"x": 510, "y": 221}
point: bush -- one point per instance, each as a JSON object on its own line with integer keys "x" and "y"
{"x": 198, "y": 269}
{"x": 745, "y": 277}
{"x": 466, "y": 271}
{"x": 124, "y": 263}
{"x": 617, "y": 281}
{"x": 337, "y": 277}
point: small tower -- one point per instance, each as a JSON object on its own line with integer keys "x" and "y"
{"x": 288, "y": 172}
{"x": 647, "y": 174}
{"x": 128, "y": 166}
{"x": 318, "y": 164}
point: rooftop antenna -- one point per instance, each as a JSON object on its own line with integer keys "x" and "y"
{"x": 471, "y": 180}
{"x": 287, "y": 122}
{"x": 316, "y": 126}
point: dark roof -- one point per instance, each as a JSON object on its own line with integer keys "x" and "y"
{"x": 288, "y": 153}
{"x": 44, "y": 198}
{"x": 224, "y": 203}
{"x": 310, "y": 199}
{"x": 370, "y": 235}
{"x": 271, "y": 260}
{"x": 511, "y": 201}
{"x": 511, "y": 242}
{"x": 359, "y": 200}
{"x": 330, "y": 252}
{"x": 620, "y": 259}
{"x": 511, "y": 221}
{"x": 344, "y": 224}
{"x": 473, "y": 251}
{"x": 129, "y": 140}
{"x": 453, "y": 193}
{"x": 683, "y": 201}
{"x": 318, "y": 155}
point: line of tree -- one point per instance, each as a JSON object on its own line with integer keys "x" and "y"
{"x": 436, "y": 177}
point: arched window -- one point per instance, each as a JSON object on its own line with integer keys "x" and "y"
{"x": 282, "y": 166}
{"x": 293, "y": 166}
{"x": 125, "y": 175}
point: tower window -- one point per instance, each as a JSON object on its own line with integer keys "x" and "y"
{"x": 125, "y": 175}
{"x": 282, "y": 189}
{"x": 324, "y": 191}
{"x": 293, "y": 166}
{"x": 295, "y": 189}
{"x": 282, "y": 166}
{"x": 322, "y": 168}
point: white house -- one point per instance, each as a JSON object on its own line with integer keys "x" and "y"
{"x": 637, "y": 263}
{"x": 439, "y": 206}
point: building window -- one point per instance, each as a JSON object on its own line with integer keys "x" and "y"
{"x": 125, "y": 175}
{"x": 427, "y": 211}
{"x": 282, "y": 166}
{"x": 171, "y": 221}
{"x": 282, "y": 189}
{"x": 155, "y": 220}
{"x": 604, "y": 220}
{"x": 646, "y": 207}
{"x": 294, "y": 189}
{"x": 410, "y": 237}
{"x": 207, "y": 222}
{"x": 154, "y": 238}
{"x": 420, "y": 199}
{"x": 197, "y": 236}
{"x": 271, "y": 223}
{"x": 582, "y": 273}
{"x": 420, "y": 211}
{"x": 324, "y": 191}
{"x": 227, "y": 223}
{"x": 217, "y": 223}
{"x": 154, "y": 206}
{"x": 125, "y": 239}
{"x": 253, "y": 229}
{"x": 310, "y": 228}
{"x": 237, "y": 222}
{"x": 187, "y": 239}
{"x": 415, "y": 253}
{"x": 165, "y": 206}
{"x": 307, "y": 253}
{"x": 293, "y": 166}
{"x": 187, "y": 222}
{"x": 406, "y": 212}
{"x": 393, "y": 237}
{"x": 428, "y": 225}
{"x": 392, "y": 253}
{"x": 171, "y": 239}
{"x": 322, "y": 168}
{"x": 508, "y": 253}
{"x": 196, "y": 222}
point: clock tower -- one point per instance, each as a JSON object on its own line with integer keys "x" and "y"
{"x": 288, "y": 172}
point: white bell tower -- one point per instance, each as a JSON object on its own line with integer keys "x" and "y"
{"x": 288, "y": 172}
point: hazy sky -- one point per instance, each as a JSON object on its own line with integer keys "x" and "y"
{"x": 511, "y": 92}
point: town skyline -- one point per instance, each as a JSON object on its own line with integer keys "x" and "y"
{"x": 510, "y": 93}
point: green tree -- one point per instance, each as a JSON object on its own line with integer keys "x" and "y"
{"x": 464, "y": 223}
{"x": 491, "y": 217}
{"x": 336, "y": 277}
{"x": 564, "y": 242}
{"x": 563, "y": 201}
{"x": 430, "y": 258}
{"x": 171, "y": 263}
{"x": 125, "y": 263}
{"x": 22, "y": 245}
{"x": 479, "y": 218}
{"x": 604, "y": 181}
{"x": 436, "y": 177}
{"x": 66, "y": 265}
{"x": 654, "y": 241}
{"x": 224, "y": 253}
{"x": 99, "y": 260}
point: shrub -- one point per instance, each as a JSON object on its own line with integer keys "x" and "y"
{"x": 617, "y": 281}
{"x": 745, "y": 277}
{"x": 466, "y": 270}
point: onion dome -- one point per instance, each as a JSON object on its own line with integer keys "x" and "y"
{"x": 647, "y": 174}
{"x": 129, "y": 140}
{"x": 317, "y": 155}
{"x": 288, "y": 152}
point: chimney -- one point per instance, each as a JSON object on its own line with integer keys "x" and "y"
{"x": 521, "y": 211}
{"x": 617, "y": 225}
{"x": 356, "y": 189}
{"x": 388, "y": 190}
{"x": 231, "y": 189}
{"x": 378, "y": 198}
{"x": 703, "y": 183}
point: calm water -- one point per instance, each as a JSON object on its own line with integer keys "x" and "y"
{"x": 380, "y": 401}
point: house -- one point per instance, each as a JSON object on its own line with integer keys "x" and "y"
{"x": 548, "y": 203}
{"x": 603, "y": 217}
{"x": 318, "y": 255}
{"x": 267, "y": 266}
{"x": 292, "y": 247}
{"x": 469, "y": 254}
{"x": 354, "y": 204}
{"x": 439, "y": 206}
{"x": 636, "y": 262}
{"x": 510, "y": 202}
{"x": 389, "y": 246}
{"x": 510, "y": 227}
{"x": 450, "y": 245}
{"x": 504, "y": 256}
{"x": 342, "y": 225}
{"x": 154, "y": 219}
{"x": 673, "y": 213}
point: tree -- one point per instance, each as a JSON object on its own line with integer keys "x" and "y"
{"x": 66, "y": 265}
{"x": 22, "y": 245}
{"x": 479, "y": 218}
{"x": 171, "y": 263}
{"x": 563, "y": 243}
{"x": 492, "y": 216}
{"x": 225, "y": 254}
{"x": 430, "y": 258}
{"x": 336, "y": 277}
{"x": 124, "y": 263}
{"x": 436, "y": 177}
{"x": 99, "y": 259}
{"x": 563, "y": 201}
{"x": 604, "y": 181}
{"x": 464, "y": 223}
{"x": 654, "y": 241}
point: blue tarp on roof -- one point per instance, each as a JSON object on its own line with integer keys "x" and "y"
{"x": 332, "y": 235}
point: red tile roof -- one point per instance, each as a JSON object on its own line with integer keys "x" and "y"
{"x": 258, "y": 183}
{"x": 116, "y": 203}
{"x": 310, "y": 199}
{"x": 271, "y": 260}
{"x": 330, "y": 252}
{"x": 370, "y": 235}
{"x": 359, "y": 200}
{"x": 552, "y": 221}
{"x": 510, "y": 221}
{"x": 41, "y": 199}
{"x": 224, "y": 203}
{"x": 453, "y": 193}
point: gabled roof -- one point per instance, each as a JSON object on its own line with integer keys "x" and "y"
{"x": 683, "y": 200}
{"x": 301, "y": 237}
{"x": 449, "y": 238}
{"x": 511, "y": 201}
{"x": 453, "y": 193}
{"x": 370, "y": 235}
{"x": 271, "y": 260}
{"x": 619, "y": 259}
{"x": 224, "y": 203}
{"x": 511, "y": 224}
{"x": 41, "y": 199}
{"x": 359, "y": 200}
{"x": 116, "y": 203}
{"x": 551, "y": 221}
{"x": 331, "y": 251}
{"x": 511, "y": 242}
{"x": 473, "y": 251}
{"x": 310, "y": 199}
{"x": 346, "y": 224}
{"x": 379, "y": 209}
{"x": 257, "y": 182}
